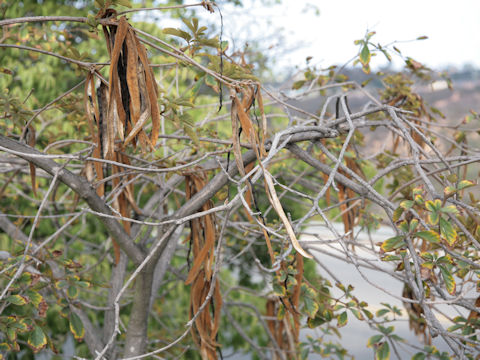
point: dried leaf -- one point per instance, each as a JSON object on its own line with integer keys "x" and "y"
{"x": 132, "y": 77}
{"x": 138, "y": 126}
{"x": 115, "y": 102}
{"x": 279, "y": 209}
{"x": 151, "y": 87}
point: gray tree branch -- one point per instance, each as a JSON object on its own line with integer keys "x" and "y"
{"x": 83, "y": 188}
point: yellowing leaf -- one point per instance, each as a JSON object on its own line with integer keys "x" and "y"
{"x": 298, "y": 84}
{"x": 430, "y": 235}
{"x": 450, "y": 284}
{"x": 383, "y": 352}
{"x": 76, "y": 327}
{"x": 17, "y": 300}
{"x": 393, "y": 243}
{"x": 311, "y": 307}
{"x": 34, "y": 297}
{"x": 357, "y": 314}
{"x": 365, "y": 55}
{"x": 465, "y": 184}
{"x": 448, "y": 232}
{"x": 37, "y": 339}
{"x": 375, "y": 338}
{"x": 433, "y": 205}
{"x": 449, "y": 190}
{"x": 342, "y": 319}
{"x": 72, "y": 292}
{"x": 398, "y": 213}
{"x": 406, "y": 204}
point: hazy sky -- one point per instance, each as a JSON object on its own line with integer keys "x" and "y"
{"x": 453, "y": 28}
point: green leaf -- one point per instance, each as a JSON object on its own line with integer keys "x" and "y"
{"x": 279, "y": 290}
{"x": 208, "y": 42}
{"x": 184, "y": 102}
{"x": 391, "y": 258}
{"x": 430, "y": 236}
{"x": 386, "y": 54}
{"x": 60, "y": 284}
{"x": 22, "y": 326}
{"x": 365, "y": 55}
{"x": 393, "y": 243}
{"x": 448, "y": 279}
{"x": 357, "y": 314}
{"x": 368, "y": 313}
{"x": 413, "y": 225}
{"x": 419, "y": 199}
{"x": 34, "y": 297}
{"x": 433, "y": 217}
{"x": 83, "y": 284}
{"x": 317, "y": 321}
{"x": 191, "y": 134}
{"x": 382, "y": 312}
{"x": 17, "y": 300}
{"x": 178, "y": 32}
{"x": 25, "y": 279}
{"x": 375, "y": 339}
{"x": 308, "y": 291}
{"x": 418, "y": 356}
{"x": 75, "y": 53}
{"x": 406, "y": 204}
{"x": 423, "y": 37}
{"x": 291, "y": 283}
{"x": 465, "y": 184}
{"x": 455, "y": 327}
{"x": 448, "y": 232}
{"x": 11, "y": 334}
{"x": 298, "y": 84}
{"x": 191, "y": 25}
{"x": 125, "y": 3}
{"x": 386, "y": 330}
{"x": 76, "y": 327}
{"x": 428, "y": 265}
{"x": 397, "y": 213}
{"x": 450, "y": 209}
{"x": 311, "y": 306}
{"x": 72, "y": 292}
{"x": 281, "y": 313}
{"x": 444, "y": 260}
{"x": 383, "y": 352}
{"x": 37, "y": 339}
{"x": 417, "y": 191}
{"x": 404, "y": 226}
{"x": 433, "y": 205}
{"x": 427, "y": 256}
{"x": 342, "y": 319}
{"x": 452, "y": 178}
{"x": 397, "y": 338}
{"x": 91, "y": 20}
{"x": 305, "y": 352}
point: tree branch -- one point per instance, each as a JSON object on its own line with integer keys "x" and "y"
{"x": 83, "y": 188}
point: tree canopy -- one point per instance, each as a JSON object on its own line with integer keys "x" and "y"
{"x": 158, "y": 200}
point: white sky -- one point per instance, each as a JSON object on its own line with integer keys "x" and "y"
{"x": 453, "y": 28}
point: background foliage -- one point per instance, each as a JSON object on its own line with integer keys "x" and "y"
{"x": 181, "y": 224}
